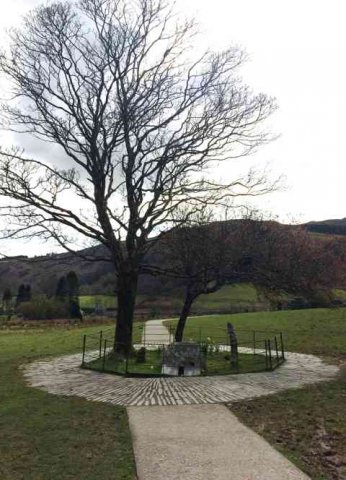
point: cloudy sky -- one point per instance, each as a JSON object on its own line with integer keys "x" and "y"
{"x": 297, "y": 53}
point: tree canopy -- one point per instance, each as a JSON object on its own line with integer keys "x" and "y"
{"x": 140, "y": 118}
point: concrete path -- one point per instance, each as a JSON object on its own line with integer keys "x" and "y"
{"x": 155, "y": 333}
{"x": 202, "y": 442}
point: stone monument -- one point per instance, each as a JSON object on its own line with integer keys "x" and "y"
{"x": 182, "y": 358}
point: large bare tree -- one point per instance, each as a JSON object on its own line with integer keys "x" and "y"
{"x": 141, "y": 120}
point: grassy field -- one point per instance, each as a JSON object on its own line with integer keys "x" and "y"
{"x": 242, "y": 295}
{"x": 52, "y": 437}
{"x": 308, "y": 425}
{"x": 320, "y": 331}
{"x": 229, "y": 298}
{"x": 224, "y": 299}
{"x": 90, "y": 301}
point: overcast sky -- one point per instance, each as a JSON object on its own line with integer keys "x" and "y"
{"x": 297, "y": 52}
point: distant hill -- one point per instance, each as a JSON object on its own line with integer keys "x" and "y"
{"x": 331, "y": 227}
{"x": 98, "y": 277}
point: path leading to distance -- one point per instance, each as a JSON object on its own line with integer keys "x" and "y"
{"x": 156, "y": 333}
{"x": 202, "y": 442}
{"x": 181, "y": 430}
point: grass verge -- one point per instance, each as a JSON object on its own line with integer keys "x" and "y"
{"x": 320, "y": 331}
{"x": 52, "y": 437}
{"x": 307, "y": 425}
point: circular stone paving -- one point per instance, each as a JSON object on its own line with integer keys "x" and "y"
{"x": 63, "y": 376}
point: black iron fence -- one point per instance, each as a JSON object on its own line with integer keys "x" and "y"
{"x": 257, "y": 351}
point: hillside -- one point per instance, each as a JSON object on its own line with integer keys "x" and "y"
{"x": 331, "y": 227}
{"x": 97, "y": 277}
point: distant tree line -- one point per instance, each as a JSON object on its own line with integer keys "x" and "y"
{"x": 65, "y": 302}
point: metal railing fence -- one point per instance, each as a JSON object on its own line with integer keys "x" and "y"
{"x": 146, "y": 358}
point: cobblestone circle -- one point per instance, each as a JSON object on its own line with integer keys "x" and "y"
{"x": 63, "y": 376}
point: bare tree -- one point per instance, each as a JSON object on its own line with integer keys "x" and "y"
{"x": 206, "y": 255}
{"x": 287, "y": 258}
{"x": 140, "y": 119}
{"x": 275, "y": 258}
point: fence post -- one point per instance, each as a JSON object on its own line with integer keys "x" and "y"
{"x": 104, "y": 355}
{"x": 126, "y": 363}
{"x": 84, "y": 342}
{"x": 276, "y": 348}
{"x": 266, "y": 353}
{"x": 270, "y": 355}
{"x": 100, "y": 347}
{"x": 254, "y": 341}
{"x": 282, "y": 346}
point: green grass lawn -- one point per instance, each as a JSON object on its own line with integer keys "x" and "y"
{"x": 49, "y": 437}
{"x": 226, "y": 298}
{"x": 116, "y": 364}
{"x": 90, "y": 301}
{"x": 242, "y": 295}
{"x": 320, "y": 331}
{"x": 308, "y": 425}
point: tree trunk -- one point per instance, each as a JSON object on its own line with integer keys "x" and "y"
{"x": 126, "y": 295}
{"x": 179, "y": 332}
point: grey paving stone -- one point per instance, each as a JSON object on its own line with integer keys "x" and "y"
{"x": 63, "y": 376}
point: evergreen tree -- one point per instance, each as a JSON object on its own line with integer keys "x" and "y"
{"x": 61, "y": 289}
{"x": 72, "y": 286}
{"x": 7, "y": 300}
{"x": 27, "y": 293}
{"x": 21, "y": 294}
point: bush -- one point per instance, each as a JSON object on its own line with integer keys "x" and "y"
{"x": 322, "y": 299}
{"x": 140, "y": 357}
{"x": 43, "y": 309}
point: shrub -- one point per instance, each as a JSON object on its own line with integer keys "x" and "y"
{"x": 322, "y": 299}
{"x": 140, "y": 357}
{"x": 43, "y": 309}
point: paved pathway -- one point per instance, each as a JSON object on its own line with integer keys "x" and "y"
{"x": 156, "y": 333}
{"x": 202, "y": 442}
